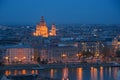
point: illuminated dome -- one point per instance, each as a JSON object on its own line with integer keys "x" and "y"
{"x": 41, "y": 29}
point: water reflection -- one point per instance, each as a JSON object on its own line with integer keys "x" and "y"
{"x": 79, "y": 73}
{"x": 20, "y": 72}
{"x": 36, "y": 71}
{"x": 98, "y": 73}
{"x": 93, "y": 73}
{"x": 32, "y": 72}
{"x": 115, "y": 73}
{"x": 7, "y": 72}
{"x": 52, "y": 73}
{"x": 24, "y": 72}
{"x": 15, "y": 72}
{"x": 101, "y": 73}
{"x": 65, "y": 74}
{"x": 109, "y": 71}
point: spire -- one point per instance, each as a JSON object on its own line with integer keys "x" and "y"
{"x": 53, "y": 26}
{"x": 42, "y": 22}
{"x": 42, "y": 19}
{"x": 53, "y": 30}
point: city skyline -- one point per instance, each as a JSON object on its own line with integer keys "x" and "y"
{"x": 22, "y": 12}
{"x": 59, "y": 39}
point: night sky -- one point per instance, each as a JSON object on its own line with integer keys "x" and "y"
{"x": 22, "y": 12}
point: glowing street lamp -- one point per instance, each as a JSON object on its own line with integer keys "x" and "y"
{"x": 32, "y": 58}
{"x": 63, "y": 55}
{"x": 64, "y": 58}
{"x": 6, "y": 57}
{"x": 79, "y": 55}
{"x": 15, "y": 58}
{"x": 19, "y": 60}
{"x": 24, "y": 57}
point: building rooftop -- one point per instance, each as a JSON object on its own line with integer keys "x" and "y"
{"x": 16, "y": 46}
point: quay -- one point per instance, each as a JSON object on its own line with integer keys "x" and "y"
{"x": 55, "y": 65}
{"x": 21, "y": 66}
{"x": 77, "y": 65}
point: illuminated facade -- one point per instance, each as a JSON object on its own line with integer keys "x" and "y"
{"x": 19, "y": 54}
{"x": 53, "y": 30}
{"x": 115, "y": 45}
{"x": 42, "y": 29}
{"x": 54, "y": 54}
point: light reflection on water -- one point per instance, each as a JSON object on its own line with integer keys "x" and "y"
{"x": 79, "y": 73}
{"x": 20, "y": 72}
{"x": 93, "y": 73}
{"x": 65, "y": 74}
{"x": 52, "y": 73}
{"x": 99, "y": 73}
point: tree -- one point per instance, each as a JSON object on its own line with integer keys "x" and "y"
{"x": 118, "y": 53}
{"x": 38, "y": 60}
{"x": 87, "y": 53}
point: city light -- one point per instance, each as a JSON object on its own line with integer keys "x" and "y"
{"x": 24, "y": 57}
{"x": 6, "y": 57}
{"x": 15, "y": 58}
{"x": 59, "y": 39}
{"x": 63, "y": 55}
{"x": 32, "y": 57}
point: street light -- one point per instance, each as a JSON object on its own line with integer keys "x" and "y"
{"x": 24, "y": 57}
{"x": 15, "y": 58}
{"x": 7, "y": 59}
{"x": 32, "y": 58}
{"x": 63, "y": 56}
{"x": 79, "y": 55}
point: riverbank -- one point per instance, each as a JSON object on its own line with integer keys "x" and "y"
{"x": 76, "y": 65}
{"x": 55, "y": 65}
{"x": 21, "y": 66}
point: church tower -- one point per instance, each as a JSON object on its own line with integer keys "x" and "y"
{"x": 41, "y": 29}
{"x": 53, "y": 30}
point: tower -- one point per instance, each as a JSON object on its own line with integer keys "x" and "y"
{"x": 115, "y": 45}
{"x": 97, "y": 52}
{"x": 41, "y": 29}
{"x": 53, "y": 30}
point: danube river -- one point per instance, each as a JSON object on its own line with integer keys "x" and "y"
{"x": 92, "y": 73}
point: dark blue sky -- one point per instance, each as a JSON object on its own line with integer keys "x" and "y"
{"x": 60, "y": 11}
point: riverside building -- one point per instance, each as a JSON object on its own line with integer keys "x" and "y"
{"x": 21, "y": 54}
